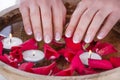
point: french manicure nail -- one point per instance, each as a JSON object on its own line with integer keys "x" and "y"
{"x": 57, "y": 37}
{"x": 100, "y": 35}
{"x": 47, "y": 39}
{"x": 38, "y": 37}
{"x": 75, "y": 39}
{"x": 68, "y": 34}
{"x": 29, "y": 32}
{"x": 88, "y": 39}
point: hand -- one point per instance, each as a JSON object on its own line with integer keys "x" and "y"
{"x": 92, "y": 16}
{"x": 42, "y": 17}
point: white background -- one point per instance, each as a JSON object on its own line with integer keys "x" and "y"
{"x": 6, "y": 3}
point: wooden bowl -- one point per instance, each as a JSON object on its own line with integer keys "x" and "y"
{"x": 11, "y": 16}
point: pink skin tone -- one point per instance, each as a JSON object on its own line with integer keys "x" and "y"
{"x": 92, "y": 17}
{"x": 41, "y": 17}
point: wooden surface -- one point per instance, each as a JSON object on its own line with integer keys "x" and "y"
{"x": 11, "y": 73}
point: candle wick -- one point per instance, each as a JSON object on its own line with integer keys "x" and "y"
{"x": 10, "y": 35}
{"x": 10, "y": 40}
{"x": 33, "y": 54}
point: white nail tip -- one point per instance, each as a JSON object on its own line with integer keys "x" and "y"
{"x": 99, "y": 37}
{"x": 38, "y": 38}
{"x": 57, "y": 37}
{"x": 75, "y": 40}
{"x": 29, "y": 33}
{"x": 87, "y": 40}
{"x": 68, "y": 34}
{"x": 47, "y": 39}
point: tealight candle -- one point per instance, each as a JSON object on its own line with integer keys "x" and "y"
{"x": 9, "y": 42}
{"x": 86, "y": 55}
{"x": 33, "y": 55}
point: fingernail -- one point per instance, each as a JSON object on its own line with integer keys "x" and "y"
{"x": 75, "y": 39}
{"x": 100, "y": 35}
{"x": 57, "y": 37}
{"x": 38, "y": 37}
{"x": 88, "y": 39}
{"x": 47, "y": 39}
{"x": 68, "y": 34}
{"x": 29, "y": 32}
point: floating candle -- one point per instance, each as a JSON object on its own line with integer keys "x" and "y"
{"x": 11, "y": 41}
{"x": 33, "y": 55}
{"x": 86, "y": 55}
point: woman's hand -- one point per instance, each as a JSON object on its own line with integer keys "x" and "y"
{"x": 41, "y": 17}
{"x": 91, "y": 17}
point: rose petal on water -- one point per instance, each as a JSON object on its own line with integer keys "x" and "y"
{"x": 50, "y": 53}
{"x": 45, "y": 70}
{"x": 115, "y": 61}
{"x": 66, "y": 72}
{"x": 77, "y": 65}
{"x": 100, "y": 64}
{"x": 29, "y": 44}
{"x": 26, "y": 66}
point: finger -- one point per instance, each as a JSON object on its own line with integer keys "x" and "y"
{"x": 96, "y": 23}
{"x": 110, "y": 22}
{"x": 58, "y": 20}
{"x": 75, "y": 19}
{"x": 26, "y": 19}
{"x": 85, "y": 20}
{"x": 36, "y": 22}
{"x": 46, "y": 23}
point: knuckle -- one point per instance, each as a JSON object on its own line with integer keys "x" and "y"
{"x": 46, "y": 15}
{"x": 34, "y": 12}
{"x": 87, "y": 16}
{"x": 99, "y": 15}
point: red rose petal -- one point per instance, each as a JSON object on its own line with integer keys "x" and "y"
{"x": 4, "y": 59}
{"x": 14, "y": 64}
{"x": 66, "y": 72}
{"x": 91, "y": 45}
{"x": 16, "y": 53}
{"x": 62, "y": 51}
{"x": 77, "y": 65}
{"x": 29, "y": 44}
{"x": 100, "y": 64}
{"x": 45, "y": 70}
{"x": 1, "y": 38}
{"x": 89, "y": 71}
{"x": 104, "y": 48}
{"x": 55, "y": 70}
{"x": 68, "y": 54}
{"x": 1, "y": 48}
{"x": 26, "y": 66}
{"x": 50, "y": 53}
{"x": 115, "y": 61}
{"x": 73, "y": 46}
{"x": 11, "y": 62}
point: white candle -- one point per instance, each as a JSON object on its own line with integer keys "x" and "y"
{"x": 9, "y": 42}
{"x": 33, "y": 55}
{"x": 86, "y": 55}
